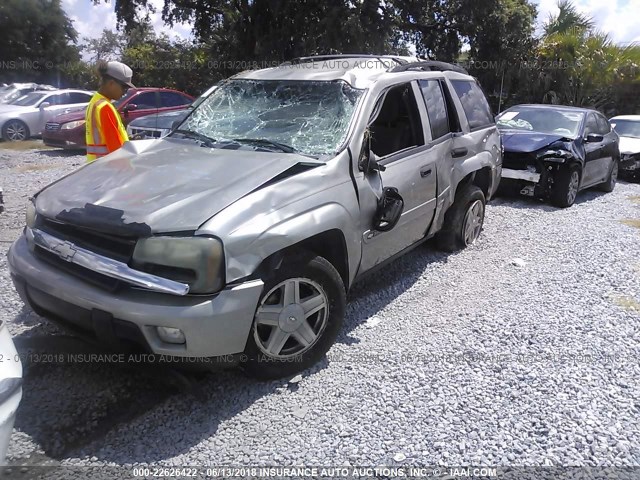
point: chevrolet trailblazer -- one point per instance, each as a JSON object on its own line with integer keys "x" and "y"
{"x": 241, "y": 231}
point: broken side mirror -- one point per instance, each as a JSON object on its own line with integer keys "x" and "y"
{"x": 368, "y": 161}
{"x": 390, "y": 207}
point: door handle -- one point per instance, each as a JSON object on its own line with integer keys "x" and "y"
{"x": 459, "y": 152}
{"x": 425, "y": 172}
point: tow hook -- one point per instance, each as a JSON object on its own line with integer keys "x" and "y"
{"x": 527, "y": 190}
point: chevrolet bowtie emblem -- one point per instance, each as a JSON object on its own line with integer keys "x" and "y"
{"x": 65, "y": 251}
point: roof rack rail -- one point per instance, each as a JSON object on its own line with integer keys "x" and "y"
{"x": 344, "y": 56}
{"x": 430, "y": 65}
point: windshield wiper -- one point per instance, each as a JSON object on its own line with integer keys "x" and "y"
{"x": 267, "y": 143}
{"x": 208, "y": 141}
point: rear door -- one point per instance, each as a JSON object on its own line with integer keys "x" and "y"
{"x": 594, "y": 153}
{"x": 172, "y": 101}
{"x": 474, "y": 138}
{"x": 146, "y": 103}
{"x": 610, "y": 149}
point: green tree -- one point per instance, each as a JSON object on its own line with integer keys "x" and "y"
{"x": 38, "y": 41}
{"x": 583, "y": 66}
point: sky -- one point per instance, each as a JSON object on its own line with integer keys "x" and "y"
{"x": 618, "y": 18}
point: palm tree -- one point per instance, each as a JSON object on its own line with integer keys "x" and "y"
{"x": 581, "y": 65}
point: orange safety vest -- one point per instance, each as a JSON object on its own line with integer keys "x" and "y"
{"x": 104, "y": 132}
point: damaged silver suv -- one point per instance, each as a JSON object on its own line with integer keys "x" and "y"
{"x": 239, "y": 234}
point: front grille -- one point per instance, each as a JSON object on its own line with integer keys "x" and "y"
{"x": 117, "y": 247}
{"x": 50, "y": 126}
{"x": 518, "y": 161}
{"x": 94, "y": 278}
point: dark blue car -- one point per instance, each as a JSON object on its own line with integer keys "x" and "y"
{"x": 553, "y": 151}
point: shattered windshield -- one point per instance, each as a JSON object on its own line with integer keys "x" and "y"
{"x": 541, "y": 120}
{"x": 627, "y": 128}
{"x": 299, "y": 116}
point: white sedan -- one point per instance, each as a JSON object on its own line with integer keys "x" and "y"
{"x": 26, "y": 116}
{"x": 628, "y": 129}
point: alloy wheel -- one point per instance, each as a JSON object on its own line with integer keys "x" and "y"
{"x": 16, "y": 131}
{"x": 291, "y": 318}
{"x": 473, "y": 222}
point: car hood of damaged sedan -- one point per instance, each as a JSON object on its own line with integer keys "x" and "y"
{"x": 165, "y": 185}
{"x": 528, "y": 142}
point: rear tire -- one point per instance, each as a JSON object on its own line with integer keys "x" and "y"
{"x": 463, "y": 221}
{"x": 15, "y": 131}
{"x": 298, "y": 318}
{"x": 610, "y": 183}
{"x": 566, "y": 185}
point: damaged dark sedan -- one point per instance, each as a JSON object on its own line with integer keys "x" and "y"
{"x": 552, "y": 152}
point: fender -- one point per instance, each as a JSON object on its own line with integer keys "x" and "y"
{"x": 285, "y": 229}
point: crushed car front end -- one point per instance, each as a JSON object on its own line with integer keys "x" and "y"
{"x": 531, "y": 169}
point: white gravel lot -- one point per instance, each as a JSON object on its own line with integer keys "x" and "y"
{"x": 521, "y": 350}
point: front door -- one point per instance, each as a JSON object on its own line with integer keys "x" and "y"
{"x": 397, "y": 140}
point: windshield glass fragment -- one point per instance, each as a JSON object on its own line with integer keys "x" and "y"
{"x": 310, "y": 117}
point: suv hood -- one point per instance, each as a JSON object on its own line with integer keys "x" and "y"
{"x": 528, "y": 142}
{"x": 161, "y": 186}
{"x": 629, "y": 145}
{"x": 160, "y": 120}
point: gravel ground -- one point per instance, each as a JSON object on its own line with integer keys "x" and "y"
{"x": 521, "y": 350}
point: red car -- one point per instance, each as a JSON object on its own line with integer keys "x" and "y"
{"x": 68, "y": 131}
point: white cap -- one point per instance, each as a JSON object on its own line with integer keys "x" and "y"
{"x": 120, "y": 72}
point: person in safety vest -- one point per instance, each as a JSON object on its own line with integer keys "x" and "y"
{"x": 105, "y": 132}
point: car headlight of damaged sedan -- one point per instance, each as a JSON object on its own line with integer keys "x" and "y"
{"x": 556, "y": 156}
{"x": 72, "y": 125}
{"x": 31, "y": 214}
{"x": 197, "y": 261}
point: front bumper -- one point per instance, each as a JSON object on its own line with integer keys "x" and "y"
{"x": 10, "y": 388}
{"x": 525, "y": 175}
{"x": 630, "y": 164}
{"x": 213, "y": 325}
{"x": 70, "y": 139}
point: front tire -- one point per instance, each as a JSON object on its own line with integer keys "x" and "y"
{"x": 298, "y": 318}
{"x": 463, "y": 221}
{"x": 610, "y": 183}
{"x": 566, "y": 185}
{"x": 15, "y": 131}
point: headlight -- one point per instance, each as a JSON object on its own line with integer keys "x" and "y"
{"x": 198, "y": 261}
{"x": 31, "y": 214}
{"x": 71, "y": 125}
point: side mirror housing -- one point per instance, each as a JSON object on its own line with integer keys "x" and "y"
{"x": 129, "y": 107}
{"x": 594, "y": 138}
{"x": 389, "y": 211}
{"x": 44, "y": 105}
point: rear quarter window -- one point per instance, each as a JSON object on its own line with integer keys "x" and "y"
{"x": 474, "y": 103}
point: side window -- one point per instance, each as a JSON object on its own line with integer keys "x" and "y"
{"x": 172, "y": 99}
{"x": 436, "y": 107}
{"x": 60, "y": 99}
{"x": 603, "y": 125}
{"x": 474, "y": 103}
{"x": 77, "y": 97}
{"x": 397, "y": 126}
{"x": 145, "y": 100}
{"x": 591, "y": 126}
